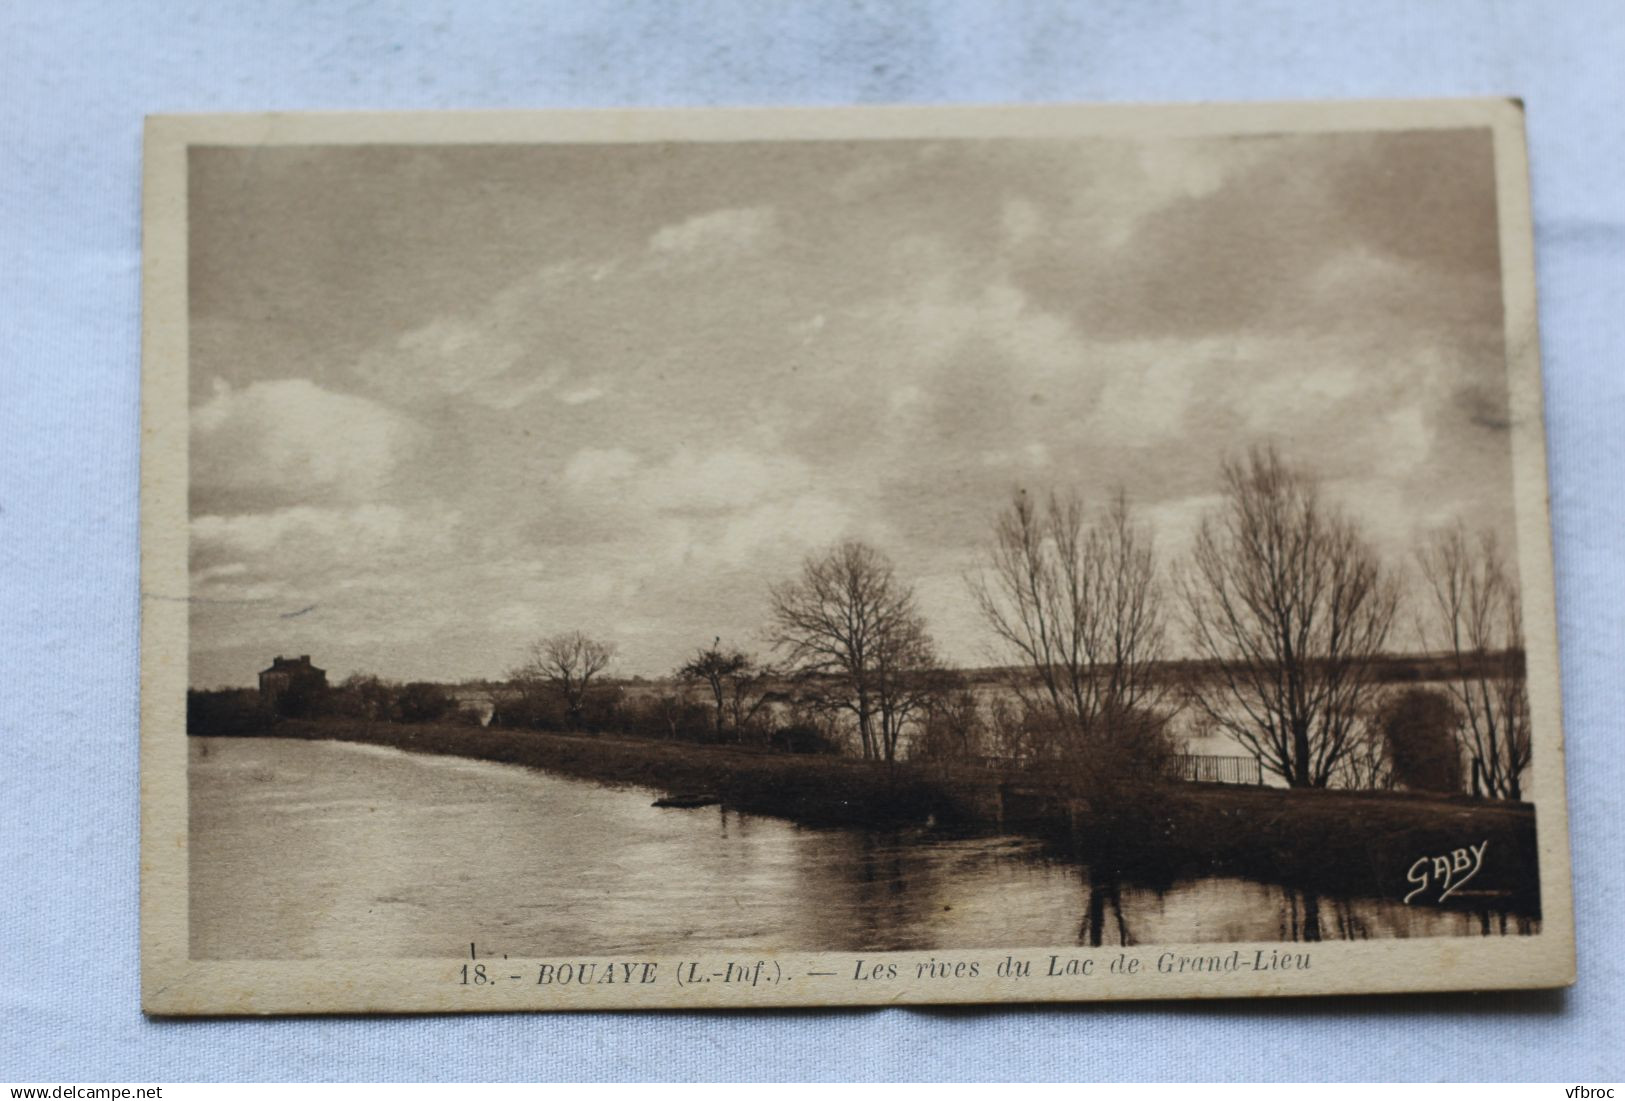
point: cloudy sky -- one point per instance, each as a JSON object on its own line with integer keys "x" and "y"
{"x": 446, "y": 400}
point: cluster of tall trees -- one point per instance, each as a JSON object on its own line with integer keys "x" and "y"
{"x": 1286, "y": 605}
{"x": 561, "y": 666}
{"x": 1076, "y": 599}
{"x": 1478, "y": 622}
{"x": 740, "y": 687}
{"x": 1293, "y": 608}
{"x": 854, "y": 638}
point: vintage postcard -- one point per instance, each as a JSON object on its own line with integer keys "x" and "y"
{"x": 742, "y": 558}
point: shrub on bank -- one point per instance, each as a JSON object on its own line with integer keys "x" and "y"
{"x": 601, "y": 711}
{"x": 805, "y": 738}
{"x": 666, "y": 716}
{"x": 422, "y": 702}
{"x": 227, "y": 712}
{"x": 1419, "y": 729}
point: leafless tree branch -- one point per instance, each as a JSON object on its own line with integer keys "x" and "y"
{"x": 1289, "y": 606}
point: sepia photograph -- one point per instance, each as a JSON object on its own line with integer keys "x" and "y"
{"x": 615, "y": 559}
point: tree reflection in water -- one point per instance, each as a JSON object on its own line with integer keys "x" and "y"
{"x": 1310, "y": 917}
{"x": 1104, "y": 893}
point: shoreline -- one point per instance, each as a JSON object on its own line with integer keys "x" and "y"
{"x": 1328, "y": 842}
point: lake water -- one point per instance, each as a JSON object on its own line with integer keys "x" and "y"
{"x": 330, "y": 849}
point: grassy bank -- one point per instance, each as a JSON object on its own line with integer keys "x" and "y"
{"x": 1328, "y": 842}
{"x": 818, "y": 790}
{"x": 1333, "y": 842}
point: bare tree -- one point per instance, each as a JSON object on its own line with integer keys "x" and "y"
{"x": 737, "y": 682}
{"x": 750, "y": 692}
{"x": 1077, "y": 601}
{"x": 908, "y": 677}
{"x": 565, "y": 664}
{"x": 1478, "y": 620}
{"x": 714, "y": 668}
{"x": 1290, "y": 606}
{"x": 852, "y": 633}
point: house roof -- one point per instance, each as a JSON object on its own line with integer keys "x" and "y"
{"x": 301, "y": 664}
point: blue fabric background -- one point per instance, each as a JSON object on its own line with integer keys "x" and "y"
{"x": 76, "y": 79}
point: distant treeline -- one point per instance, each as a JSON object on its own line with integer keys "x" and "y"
{"x": 608, "y": 708}
{"x": 243, "y": 711}
{"x": 1383, "y": 668}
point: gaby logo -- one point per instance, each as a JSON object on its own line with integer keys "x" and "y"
{"x": 1448, "y": 873}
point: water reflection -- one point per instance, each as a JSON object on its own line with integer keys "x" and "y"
{"x": 1303, "y": 916}
{"x": 320, "y": 849}
{"x": 1104, "y": 894}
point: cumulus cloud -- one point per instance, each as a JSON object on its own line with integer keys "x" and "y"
{"x": 582, "y": 395}
{"x": 687, "y": 479}
{"x": 1230, "y": 235}
{"x": 366, "y": 576}
{"x": 717, "y": 234}
{"x": 790, "y": 525}
{"x": 365, "y": 530}
{"x": 1147, "y": 388}
{"x": 290, "y": 440}
{"x": 545, "y": 333}
{"x": 471, "y": 357}
{"x": 941, "y": 313}
{"x": 728, "y": 478}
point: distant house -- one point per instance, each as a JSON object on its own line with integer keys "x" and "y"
{"x": 291, "y": 675}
